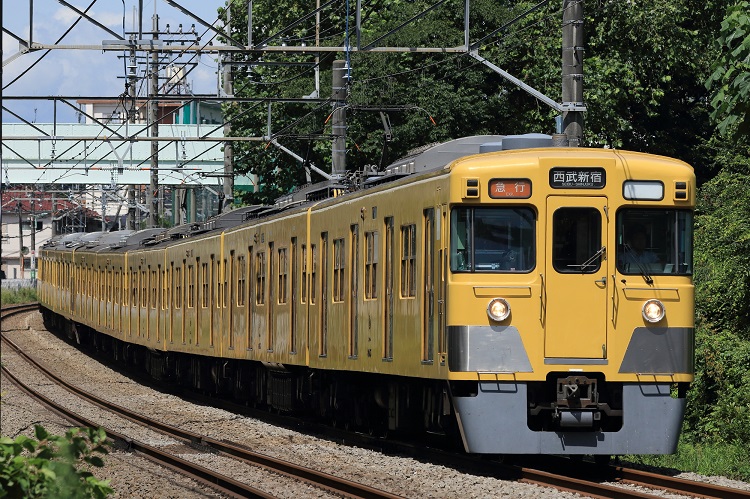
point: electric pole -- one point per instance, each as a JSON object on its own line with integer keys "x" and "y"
{"x": 153, "y": 107}
{"x": 338, "y": 120}
{"x": 228, "y": 148}
{"x": 572, "y": 71}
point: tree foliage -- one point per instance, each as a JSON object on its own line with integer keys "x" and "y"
{"x": 731, "y": 73}
{"x": 52, "y": 466}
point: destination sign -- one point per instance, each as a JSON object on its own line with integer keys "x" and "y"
{"x": 516, "y": 188}
{"x": 577, "y": 178}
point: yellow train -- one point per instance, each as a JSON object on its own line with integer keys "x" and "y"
{"x": 528, "y": 299}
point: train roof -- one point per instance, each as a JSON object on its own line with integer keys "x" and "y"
{"x": 424, "y": 159}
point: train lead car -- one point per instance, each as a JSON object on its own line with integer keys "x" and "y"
{"x": 522, "y": 298}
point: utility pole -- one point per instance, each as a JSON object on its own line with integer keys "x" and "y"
{"x": 20, "y": 237}
{"x": 228, "y": 148}
{"x": 339, "y": 118}
{"x": 153, "y": 108}
{"x": 572, "y": 71}
{"x": 32, "y": 222}
{"x": 132, "y": 118}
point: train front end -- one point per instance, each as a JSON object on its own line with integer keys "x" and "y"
{"x": 570, "y": 300}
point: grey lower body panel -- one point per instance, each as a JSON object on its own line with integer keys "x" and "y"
{"x": 495, "y": 422}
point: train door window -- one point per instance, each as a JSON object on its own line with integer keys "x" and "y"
{"x": 249, "y": 297}
{"x": 323, "y": 341}
{"x": 177, "y": 288}
{"x": 241, "y": 280}
{"x": 654, "y": 241}
{"x": 313, "y": 273}
{"x": 271, "y": 320}
{"x": 408, "y": 261}
{"x": 204, "y": 284}
{"x": 117, "y": 288}
{"x": 428, "y": 305}
{"x": 225, "y": 291}
{"x": 154, "y": 287}
{"x": 338, "y": 270}
{"x": 260, "y": 277}
{"x": 102, "y": 285}
{"x": 293, "y": 297}
{"x": 371, "y": 265}
{"x": 577, "y": 240}
{"x": 354, "y": 286}
{"x": 191, "y": 286}
{"x": 303, "y": 282}
{"x": 109, "y": 286}
{"x": 144, "y": 289}
{"x": 133, "y": 287}
{"x": 167, "y": 291}
{"x": 443, "y": 263}
{"x": 388, "y": 290}
{"x": 283, "y": 276}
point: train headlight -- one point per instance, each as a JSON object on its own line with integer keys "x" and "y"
{"x": 498, "y": 309}
{"x": 653, "y": 311}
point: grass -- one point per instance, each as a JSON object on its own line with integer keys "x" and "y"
{"x": 728, "y": 460}
{"x": 23, "y": 295}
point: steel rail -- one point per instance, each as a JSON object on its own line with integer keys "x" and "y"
{"x": 678, "y": 485}
{"x": 203, "y": 475}
{"x": 313, "y": 477}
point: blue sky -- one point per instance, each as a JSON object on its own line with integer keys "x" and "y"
{"x": 86, "y": 72}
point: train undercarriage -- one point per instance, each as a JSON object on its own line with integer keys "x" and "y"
{"x": 375, "y": 404}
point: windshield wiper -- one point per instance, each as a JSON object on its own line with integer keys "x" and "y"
{"x": 591, "y": 261}
{"x": 630, "y": 254}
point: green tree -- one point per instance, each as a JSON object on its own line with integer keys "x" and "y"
{"x": 730, "y": 79}
{"x": 52, "y": 465}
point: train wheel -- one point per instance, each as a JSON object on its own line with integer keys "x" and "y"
{"x": 602, "y": 459}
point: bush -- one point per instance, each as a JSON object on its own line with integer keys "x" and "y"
{"x": 23, "y": 295}
{"x": 51, "y": 465}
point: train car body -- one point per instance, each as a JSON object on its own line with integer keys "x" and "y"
{"x": 532, "y": 301}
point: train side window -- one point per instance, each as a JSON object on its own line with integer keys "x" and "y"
{"x": 576, "y": 240}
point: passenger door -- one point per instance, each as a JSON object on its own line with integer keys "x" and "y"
{"x": 576, "y": 278}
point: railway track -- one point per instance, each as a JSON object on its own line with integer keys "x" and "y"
{"x": 219, "y": 482}
{"x": 580, "y": 478}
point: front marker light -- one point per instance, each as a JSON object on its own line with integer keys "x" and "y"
{"x": 498, "y": 309}
{"x": 653, "y": 311}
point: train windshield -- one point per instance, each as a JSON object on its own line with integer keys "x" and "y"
{"x": 492, "y": 239}
{"x": 653, "y": 241}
